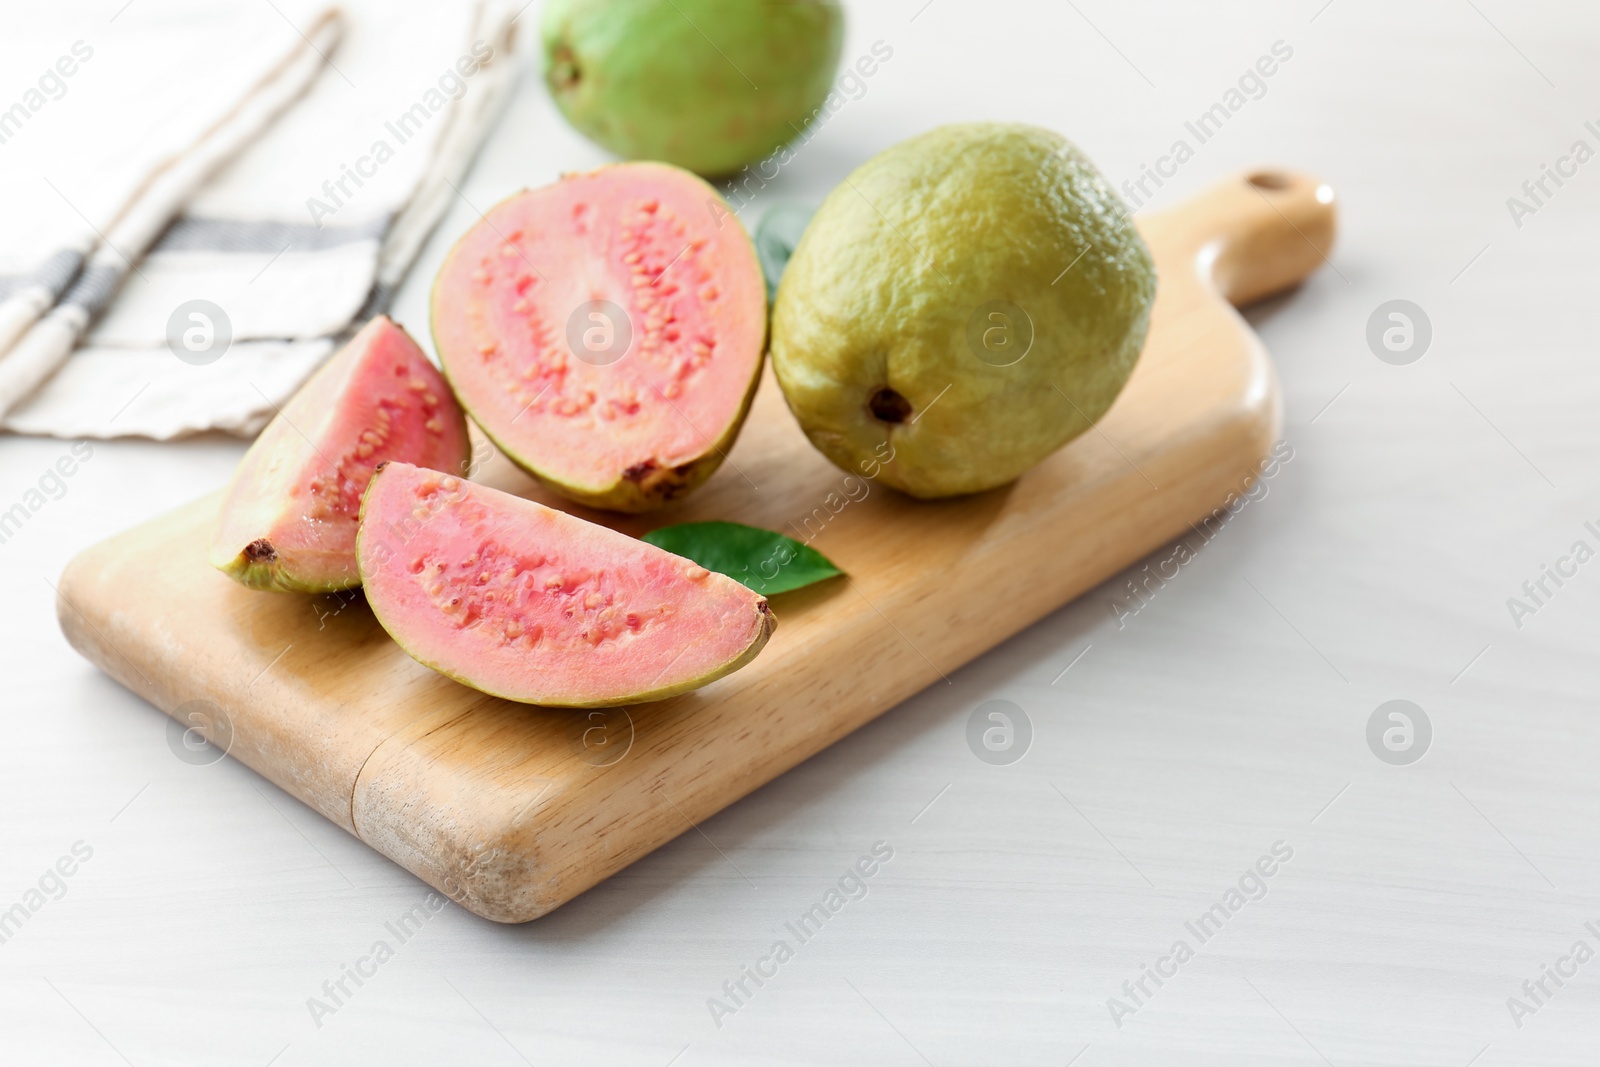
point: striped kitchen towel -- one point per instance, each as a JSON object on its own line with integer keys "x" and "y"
{"x": 201, "y": 198}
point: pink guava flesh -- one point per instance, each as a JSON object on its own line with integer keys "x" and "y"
{"x": 606, "y": 331}
{"x": 288, "y": 522}
{"x": 528, "y": 603}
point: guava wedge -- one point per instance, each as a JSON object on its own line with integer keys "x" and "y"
{"x": 607, "y": 332}
{"x": 288, "y": 522}
{"x": 524, "y": 602}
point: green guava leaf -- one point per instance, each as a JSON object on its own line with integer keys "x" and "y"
{"x": 765, "y": 561}
{"x": 776, "y": 236}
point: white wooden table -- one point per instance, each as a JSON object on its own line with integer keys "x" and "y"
{"x": 1171, "y": 748}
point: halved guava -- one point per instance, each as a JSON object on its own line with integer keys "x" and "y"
{"x": 289, "y": 520}
{"x": 531, "y": 604}
{"x": 606, "y": 332}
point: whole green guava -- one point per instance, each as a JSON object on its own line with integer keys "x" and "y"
{"x": 962, "y": 306}
{"x": 709, "y": 85}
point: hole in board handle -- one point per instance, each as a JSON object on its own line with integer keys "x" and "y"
{"x": 1270, "y": 180}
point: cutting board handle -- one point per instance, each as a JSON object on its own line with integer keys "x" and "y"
{"x": 1258, "y": 233}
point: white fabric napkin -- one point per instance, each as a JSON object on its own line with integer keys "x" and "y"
{"x": 217, "y": 193}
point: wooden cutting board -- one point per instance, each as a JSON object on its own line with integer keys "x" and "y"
{"x": 513, "y": 810}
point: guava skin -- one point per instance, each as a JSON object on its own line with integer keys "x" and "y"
{"x": 885, "y": 335}
{"x": 709, "y": 85}
{"x": 649, "y": 489}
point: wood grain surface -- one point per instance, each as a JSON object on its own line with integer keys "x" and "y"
{"x": 513, "y": 810}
